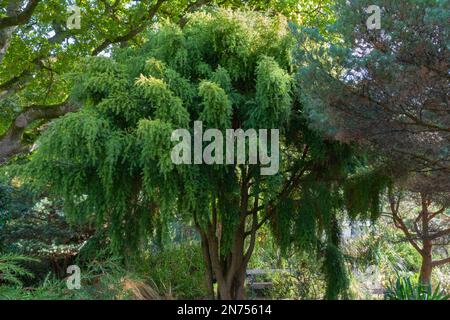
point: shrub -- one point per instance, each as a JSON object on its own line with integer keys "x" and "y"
{"x": 177, "y": 270}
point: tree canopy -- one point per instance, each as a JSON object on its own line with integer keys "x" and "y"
{"x": 38, "y": 50}
{"x": 387, "y": 89}
{"x": 111, "y": 160}
{"x": 152, "y": 144}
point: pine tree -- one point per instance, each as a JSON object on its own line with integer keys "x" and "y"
{"x": 386, "y": 88}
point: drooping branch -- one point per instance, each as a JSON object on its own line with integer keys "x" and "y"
{"x": 10, "y": 142}
{"x": 192, "y": 7}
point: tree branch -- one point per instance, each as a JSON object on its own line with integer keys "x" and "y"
{"x": 10, "y": 141}
{"x": 130, "y": 34}
{"x": 398, "y": 222}
{"x": 440, "y": 262}
{"x": 15, "y": 83}
{"x": 440, "y": 234}
{"x": 21, "y": 18}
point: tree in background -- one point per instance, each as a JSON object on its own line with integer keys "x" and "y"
{"x": 111, "y": 161}
{"x": 428, "y": 231}
{"x": 387, "y": 89}
{"x": 37, "y": 50}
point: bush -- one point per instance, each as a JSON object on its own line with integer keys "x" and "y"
{"x": 100, "y": 280}
{"x": 176, "y": 270}
{"x": 297, "y": 276}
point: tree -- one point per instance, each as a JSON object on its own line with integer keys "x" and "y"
{"x": 38, "y": 50}
{"x": 428, "y": 231}
{"x": 111, "y": 161}
{"x": 386, "y": 88}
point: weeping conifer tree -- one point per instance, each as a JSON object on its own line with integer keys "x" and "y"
{"x": 111, "y": 161}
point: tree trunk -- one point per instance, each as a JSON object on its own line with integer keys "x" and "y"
{"x": 233, "y": 287}
{"x": 6, "y": 33}
{"x": 230, "y": 270}
{"x": 209, "y": 278}
{"x": 427, "y": 250}
{"x": 425, "y": 270}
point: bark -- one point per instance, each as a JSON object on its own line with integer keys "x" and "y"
{"x": 7, "y": 32}
{"x": 427, "y": 246}
{"x": 11, "y": 141}
{"x": 5, "y": 40}
{"x": 209, "y": 278}
{"x": 228, "y": 269}
{"x": 14, "y": 16}
{"x": 426, "y": 268}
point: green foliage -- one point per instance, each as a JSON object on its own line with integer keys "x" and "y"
{"x": 14, "y": 201}
{"x": 405, "y": 289}
{"x": 313, "y": 13}
{"x": 360, "y": 83}
{"x": 362, "y": 194}
{"x": 50, "y": 289}
{"x": 297, "y": 275}
{"x": 43, "y": 231}
{"x": 11, "y": 269}
{"x": 112, "y": 163}
{"x": 101, "y": 280}
{"x": 216, "y": 106}
{"x": 336, "y": 273}
{"x": 273, "y": 86}
{"x": 177, "y": 270}
{"x": 40, "y": 55}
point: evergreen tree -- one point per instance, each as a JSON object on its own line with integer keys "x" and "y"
{"x": 385, "y": 86}
{"x": 111, "y": 161}
{"x": 38, "y": 48}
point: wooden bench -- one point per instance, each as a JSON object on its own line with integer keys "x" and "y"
{"x": 261, "y": 285}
